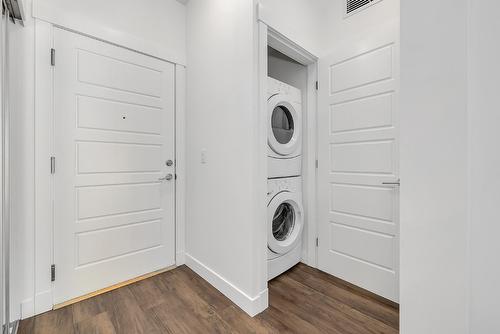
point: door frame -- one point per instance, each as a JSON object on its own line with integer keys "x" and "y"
{"x": 269, "y": 36}
{"x": 44, "y": 147}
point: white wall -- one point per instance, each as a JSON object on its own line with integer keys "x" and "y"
{"x": 335, "y": 26}
{"x": 152, "y": 26}
{"x": 319, "y": 25}
{"x": 298, "y": 20}
{"x": 484, "y": 119}
{"x": 224, "y": 198}
{"x": 155, "y": 27}
{"x": 434, "y": 167}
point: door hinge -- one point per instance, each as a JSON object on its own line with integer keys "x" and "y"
{"x": 53, "y": 57}
{"x": 317, "y": 242}
{"x": 53, "y": 273}
{"x": 317, "y": 85}
{"x": 52, "y": 165}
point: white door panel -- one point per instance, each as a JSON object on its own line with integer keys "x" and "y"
{"x": 363, "y": 222}
{"x": 358, "y": 150}
{"x": 95, "y": 157}
{"x": 362, "y": 157}
{"x": 130, "y": 75}
{"x": 362, "y": 69}
{"x": 370, "y": 276}
{"x": 108, "y": 243}
{"x": 99, "y": 201}
{"x": 114, "y": 131}
{"x": 365, "y": 201}
{"x": 365, "y": 113}
{"x": 101, "y": 114}
{"x": 379, "y": 248}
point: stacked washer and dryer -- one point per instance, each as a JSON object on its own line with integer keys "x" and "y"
{"x": 285, "y": 220}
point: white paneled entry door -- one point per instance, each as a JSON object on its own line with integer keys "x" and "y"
{"x": 113, "y": 136}
{"x": 358, "y": 162}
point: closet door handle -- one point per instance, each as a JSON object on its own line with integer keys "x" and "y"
{"x": 397, "y": 183}
{"x": 167, "y": 177}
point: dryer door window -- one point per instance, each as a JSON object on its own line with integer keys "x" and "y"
{"x": 283, "y": 221}
{"x": 282, "y": 124}
{"x": 284, "y": 127}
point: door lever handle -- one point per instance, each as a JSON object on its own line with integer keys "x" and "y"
{"x": 397, "y": 183}
{"x": 167, "y": 177}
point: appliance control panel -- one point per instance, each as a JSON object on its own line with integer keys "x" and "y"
{"x": 293, "y": 184}
{"x": 274, "y": 87}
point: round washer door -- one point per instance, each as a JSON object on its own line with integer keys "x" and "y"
{"x": 284, "y": 126}
{"x": 285, "y": 222}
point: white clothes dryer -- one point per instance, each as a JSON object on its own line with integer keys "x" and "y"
{"x": 285, "y": 223}
{"x": 284, "y": 130}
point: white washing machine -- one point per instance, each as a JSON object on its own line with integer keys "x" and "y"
{"x": 284, "y": 130}
{"x": 285, "y": 222}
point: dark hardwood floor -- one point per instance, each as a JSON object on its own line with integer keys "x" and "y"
{"x": 303, "y": 300}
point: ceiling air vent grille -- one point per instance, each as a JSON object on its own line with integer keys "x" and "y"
{"x": 353, "y": 6}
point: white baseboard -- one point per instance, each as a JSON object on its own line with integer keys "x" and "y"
{"x": 43, "y": 301}
{"x": 251, "y": 305}
{"x": 40, "y": 304}
{"x": 180, "y": 258}
{"x": 27, "y": 308}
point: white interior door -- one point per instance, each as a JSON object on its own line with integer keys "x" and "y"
{"x": 114, "y": 132}
{"x": 358, "y": 153}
